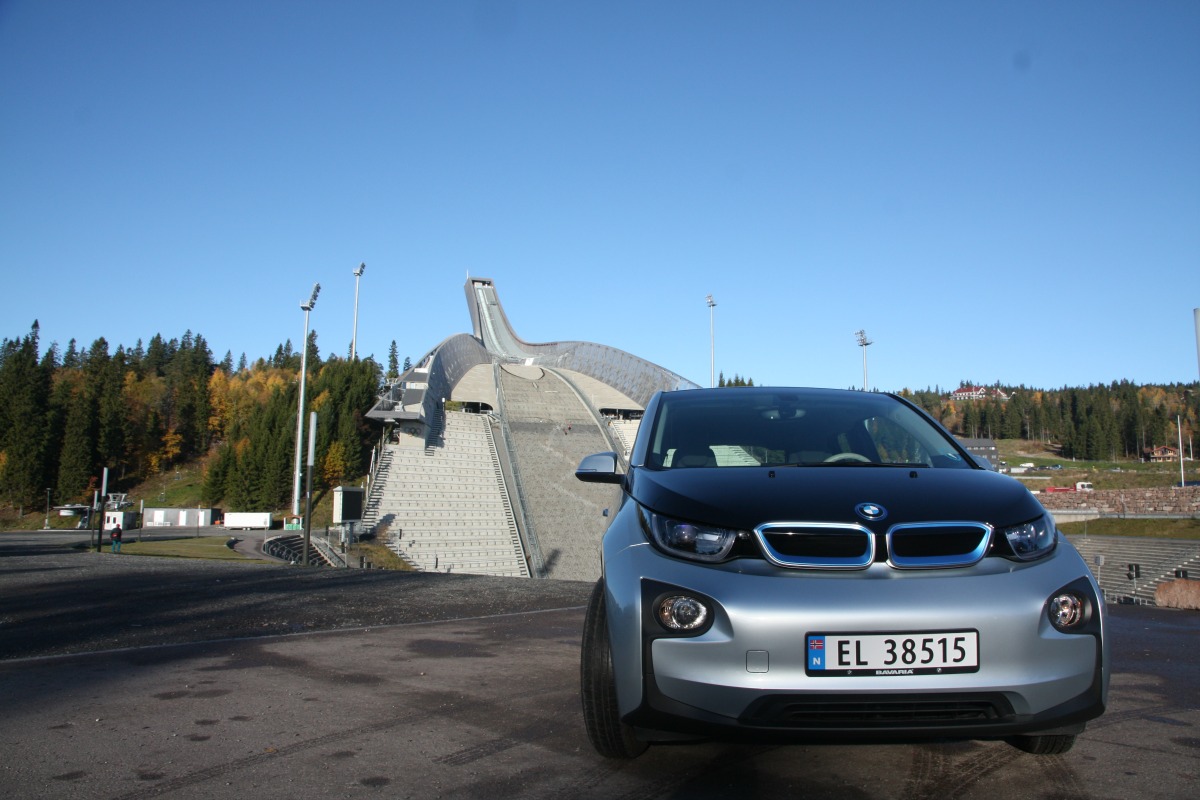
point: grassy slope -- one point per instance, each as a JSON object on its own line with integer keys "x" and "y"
{"x": 179, "y": 488}
{"x": 1102, "y": 474}
{"x": 208, "y": 547}
{"x": 1187, "y": 529}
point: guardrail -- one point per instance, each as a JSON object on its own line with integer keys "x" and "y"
{"x": 537, "y": 564}
{"x": 330, "y": 553}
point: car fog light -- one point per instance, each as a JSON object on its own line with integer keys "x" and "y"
{"x": 682, "y": 613}
{"x": 1066, "y": 611}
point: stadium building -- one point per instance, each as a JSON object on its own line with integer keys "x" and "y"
{"x": 481, "y": 439}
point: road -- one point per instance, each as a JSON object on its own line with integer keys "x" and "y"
{"x": 133, "y": 677}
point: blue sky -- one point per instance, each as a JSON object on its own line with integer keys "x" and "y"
{"x": 993, "y": 191}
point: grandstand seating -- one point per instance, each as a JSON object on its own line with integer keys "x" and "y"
{"x": 290, "y": 547}
{"x": 1158, "y": 558}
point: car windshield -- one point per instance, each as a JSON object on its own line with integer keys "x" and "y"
{"x": 800, "y": 428}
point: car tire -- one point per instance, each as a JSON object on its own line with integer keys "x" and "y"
{"x": 611, "y": 737}
{"x": 1049, "y": 744}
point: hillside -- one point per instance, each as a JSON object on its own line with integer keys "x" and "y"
{"x": 1051, "y": 469}
{"x": 183, "y": 487}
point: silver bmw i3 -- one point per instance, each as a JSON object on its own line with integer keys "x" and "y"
{"x": 825, "y": 565}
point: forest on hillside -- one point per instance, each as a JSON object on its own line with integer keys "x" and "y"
{"x": 1104, "y": 422}
{"x": 66, "y": 415}
{"x": 1111, "y": 422}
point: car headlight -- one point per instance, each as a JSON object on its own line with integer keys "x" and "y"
{"x": 681, "y": 612}
{"x": 1067, "y": 611}
{"x": 1031, "y": 540}
{"x": 689, "y": 540}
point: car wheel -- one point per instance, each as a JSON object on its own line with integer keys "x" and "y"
{"x": 611, "y": 737}
{"x": 1050, "y": 744}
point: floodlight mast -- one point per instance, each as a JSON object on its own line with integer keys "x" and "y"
{"x": 354, "y": 337}
{"x": 864, "y": 343}
{"x": 712, "y": 345}
{"x": 1196, "y": 314}
{"x": 306, "y": 308}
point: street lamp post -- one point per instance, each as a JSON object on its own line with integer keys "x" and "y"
{"x": 712, "y": 345}
{"x": 864, "y": 343}
{"x": 312, "y": 448}
{"x": 47, "y": 508}
{"x": 354, "y": 339}
{"x": 1179, "y": 430}
{"x": 306, "y": 307}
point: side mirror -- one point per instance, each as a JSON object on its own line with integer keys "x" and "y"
{"x": 599, "y": 468}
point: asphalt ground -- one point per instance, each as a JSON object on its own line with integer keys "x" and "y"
{"x": 137, "y": 677}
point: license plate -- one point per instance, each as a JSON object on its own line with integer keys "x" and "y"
{"x": 886, "y": 654}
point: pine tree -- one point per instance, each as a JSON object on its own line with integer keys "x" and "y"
{"x": 393, "y": 370}
{"x": 78, "y": 458}
{"x": 24, "y": 399}
{"x": 136, "y": 356}
{"x": 71, "y": 357}
{"x": 970, "y": 420}
{"x": 61, "y": 381}
{"x": 156, "y": 357}
{"x": 112, "y": 421}
{"x": 1011, "y": 416}
{"x": 217, "y": 476}
{"x": 314, "y": 354}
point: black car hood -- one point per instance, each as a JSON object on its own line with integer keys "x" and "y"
{"x": 744, "y": 497}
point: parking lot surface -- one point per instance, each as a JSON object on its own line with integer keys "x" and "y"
{"x": 135, "y": 677}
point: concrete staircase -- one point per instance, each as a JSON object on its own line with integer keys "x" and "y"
{"x": 441, "y": 503}
{"x": 625, "y": 431}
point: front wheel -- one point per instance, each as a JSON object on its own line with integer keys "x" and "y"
{"x": 611, "y": 737}
{"x": 1047, "y": 744}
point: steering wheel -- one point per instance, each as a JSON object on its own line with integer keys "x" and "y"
{"x": 847, "y": 457}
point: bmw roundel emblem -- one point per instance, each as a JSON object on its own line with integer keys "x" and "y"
{"x": 870, "y": 511}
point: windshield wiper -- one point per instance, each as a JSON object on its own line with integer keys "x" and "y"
{"x": 853, "y": 463}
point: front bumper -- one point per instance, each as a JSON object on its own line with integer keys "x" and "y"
{"x": 745, "y": 677}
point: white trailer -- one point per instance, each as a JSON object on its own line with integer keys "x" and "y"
{"x": 247, "y": 520}
{"x": 127, "y": 519}
{"x": 153, "y": 517}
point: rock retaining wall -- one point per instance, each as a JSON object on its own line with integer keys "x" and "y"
{"x": 1165, "y": 501}
{"x": 1178, "y": 594}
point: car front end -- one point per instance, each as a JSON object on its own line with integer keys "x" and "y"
{"x": 844, "y": 601}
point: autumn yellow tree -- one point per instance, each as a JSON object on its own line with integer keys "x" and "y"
{"x": 219, "y": 406}
{"x": 336, "y": 466}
